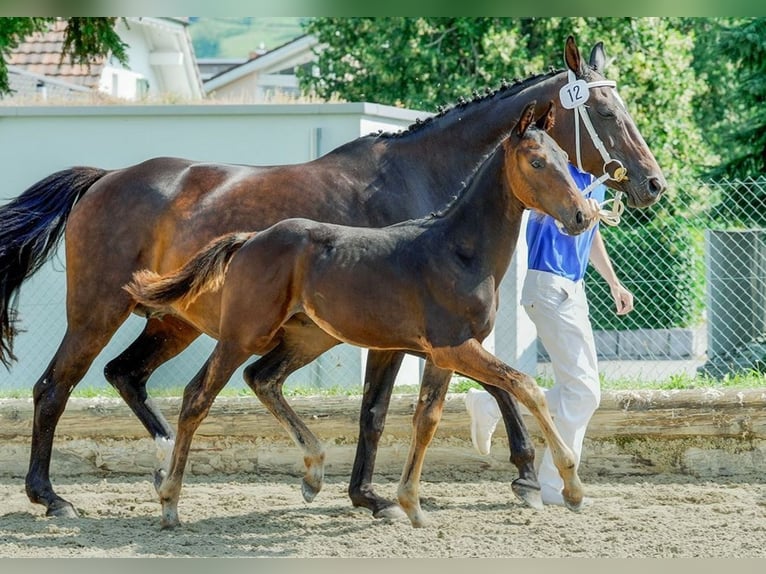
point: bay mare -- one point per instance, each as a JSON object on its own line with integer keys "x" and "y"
{"x": 156, "y": 214}
{"x": 427, "y": 286}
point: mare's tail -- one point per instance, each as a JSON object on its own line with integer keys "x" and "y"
{"x": 204, "y": 272}
{"x": 31, "y": 227}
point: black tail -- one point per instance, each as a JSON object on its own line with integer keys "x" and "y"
{"x": 31, "y": 227}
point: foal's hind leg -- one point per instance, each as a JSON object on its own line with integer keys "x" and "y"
{"x": 526, "y": 487}
{"x": 160, "y": 341}
{"x": 198, "y": 398}
{"x": 266, "y": 377}
{"x": 380, "y": 373}
{"x": 428, "y": 413}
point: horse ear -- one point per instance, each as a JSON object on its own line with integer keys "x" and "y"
{"x": 548, "y": 119}
{"x": 598, "y": 58}
{"x": 572, "y": 57}
{"x": 527, "y": 118}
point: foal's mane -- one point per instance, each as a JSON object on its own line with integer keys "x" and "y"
{"x": 505, "y": 90}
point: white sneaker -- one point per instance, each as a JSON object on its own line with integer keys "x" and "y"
{"x": 485, "y": 414}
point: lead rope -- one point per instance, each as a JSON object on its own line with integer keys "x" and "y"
{"x": 610, "y": 217}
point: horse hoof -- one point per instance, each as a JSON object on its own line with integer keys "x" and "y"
{"x": 391, "y": 512}
{"x": 309, "y": 492}
{"x": 528, "y": 493}
{"x": 420, "y": 520}
{"x": 572, "y": 506}
{"x": 167, "y": 524}
{"x": 62, "y": 509}
{"x": 584, "y": 501}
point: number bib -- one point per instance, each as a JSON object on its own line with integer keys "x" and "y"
{"x": 574, "y": 94}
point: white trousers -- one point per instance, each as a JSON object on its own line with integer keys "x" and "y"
{"x": 559, "y": 309}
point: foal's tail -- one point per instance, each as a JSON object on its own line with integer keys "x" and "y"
{"x": 31, "y": 227}
{"x": 204, "y": 272}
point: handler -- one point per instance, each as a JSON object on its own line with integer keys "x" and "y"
{"x": 553, "y": 296}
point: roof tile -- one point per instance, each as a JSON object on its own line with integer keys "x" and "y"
{"x": 40, "y": 53}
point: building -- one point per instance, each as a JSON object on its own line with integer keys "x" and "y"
{"x": 265, "y": 76}
{"x": 161, "y": 64}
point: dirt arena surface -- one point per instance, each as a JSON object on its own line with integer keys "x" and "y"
{"x": 472, "y": 514}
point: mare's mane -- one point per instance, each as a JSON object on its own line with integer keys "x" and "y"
{"x": 505, "y": 90}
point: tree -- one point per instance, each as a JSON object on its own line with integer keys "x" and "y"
{"x": 732, "y": 56}
{"x": 423, "y": 62}
{"x": 85, "y": 39}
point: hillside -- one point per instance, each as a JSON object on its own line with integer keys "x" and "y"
{"x": 237, "y": 37}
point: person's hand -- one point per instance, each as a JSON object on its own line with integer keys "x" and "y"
{"x": 623, "y": 299}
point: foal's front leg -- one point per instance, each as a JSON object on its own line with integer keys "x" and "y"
{"x": 471, "y": 359}
{"x": 427, "y": 415}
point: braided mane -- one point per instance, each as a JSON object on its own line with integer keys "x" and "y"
{"x": 505, "y": 90}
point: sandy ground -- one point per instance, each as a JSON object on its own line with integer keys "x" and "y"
{"x": 472, "y": 514}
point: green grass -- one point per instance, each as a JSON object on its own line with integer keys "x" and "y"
{"x": 745, "y": 380}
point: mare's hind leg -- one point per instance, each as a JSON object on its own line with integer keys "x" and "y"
{"x": 380, "y": 373}
{"x": 428, "y": 413}
{"x": 81, "y": 344}
{"x": 472, "y": 360}
{"x": 266, "y": 377}
{"x": 526, "y": 487}
{"x": 197, "y": 400}
{"x": 160, "y": 341}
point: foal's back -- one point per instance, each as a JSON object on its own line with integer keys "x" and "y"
{"x": 354, "y": 283}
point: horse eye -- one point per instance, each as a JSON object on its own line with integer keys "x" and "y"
{"x": 537, "y": 163}
{"x": 605, "y": 112}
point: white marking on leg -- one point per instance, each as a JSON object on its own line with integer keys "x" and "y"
{"x": 164, "y": 452}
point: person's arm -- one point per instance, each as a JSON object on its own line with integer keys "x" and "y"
{"x": 599, "y": 258}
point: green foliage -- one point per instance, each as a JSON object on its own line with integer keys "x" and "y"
{"x": 85, "y": 39}
{"x": 738, "y": 204}
{"x": 663, "y": 264}
{"x": 423, "y": 62}
{"x": 731, "y": 56}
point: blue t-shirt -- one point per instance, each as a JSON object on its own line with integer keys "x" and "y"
{"x": 552, "y": 250}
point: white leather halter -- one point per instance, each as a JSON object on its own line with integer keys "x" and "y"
{"x": 573, "y": 96}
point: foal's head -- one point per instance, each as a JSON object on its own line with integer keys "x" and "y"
{"x": 537, "y": 173}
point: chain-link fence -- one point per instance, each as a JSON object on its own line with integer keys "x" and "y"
{"x": 698, "y": 273}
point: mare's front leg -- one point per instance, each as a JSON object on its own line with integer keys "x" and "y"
{"x": 526, "y": 487}
{"x": 380, "y": 374}
{"x": 427, "y": 415}
{"x": 267, "y": 376}
{"x": 197, "y": 400}
{"x": 471, "y": 359}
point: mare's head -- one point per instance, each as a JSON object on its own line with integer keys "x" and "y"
{"x": 536, "y": 171}
{"x": 589, "y": 97}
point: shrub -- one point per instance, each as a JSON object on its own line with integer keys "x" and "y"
{"x": 663, "y": 264}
